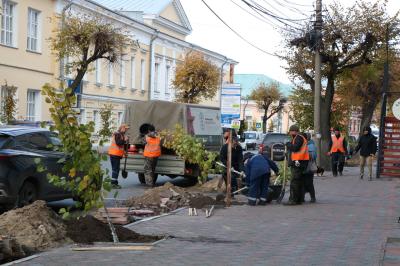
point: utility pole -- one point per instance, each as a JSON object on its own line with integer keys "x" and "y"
{"x": 317, "y": 78}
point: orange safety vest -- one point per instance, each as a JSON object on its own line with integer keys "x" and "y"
{"x": 153, "y": 147}
{"x": 337, "y": 144}
{"x": 302, "y": 154}
{"x": 114, "y": 149}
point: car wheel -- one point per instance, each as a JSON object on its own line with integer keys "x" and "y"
{"x": 27, "y": 194}
{"x": 142, "y": 180}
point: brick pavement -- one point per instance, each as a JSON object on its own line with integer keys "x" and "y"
{"x": 348, "y": 226}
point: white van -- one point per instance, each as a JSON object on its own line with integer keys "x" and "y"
{"x": 251, "y": 140}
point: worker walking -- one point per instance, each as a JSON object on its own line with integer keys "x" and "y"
{"x": 152, "y": 151}
{"x": 258, "y": 172}
{"x": 117, "y": 149}
{"x": 298, "y": 161}
{"x": 367, "y": 147}
{"x": 337, "y": 151}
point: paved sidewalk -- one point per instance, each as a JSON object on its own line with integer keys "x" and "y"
{"x": 348, "y": 226}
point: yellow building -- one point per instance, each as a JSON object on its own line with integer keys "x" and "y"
{"x": 25, "y": 60}
{"x": 157, "y": 28}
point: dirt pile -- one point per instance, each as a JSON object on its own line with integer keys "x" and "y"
{"x": 35, "y": 227}
{"x": 200, "y": 201}
{"x": 211, "y": 186}
{"x": 161, "y": 199}
{"x": 88, "y": 229}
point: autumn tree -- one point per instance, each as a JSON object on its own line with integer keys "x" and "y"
{"x": 362, "y": 87}
{"x": 196, "y": 79}
{"x": 106, "y": 126}
{"x": 269, "y": 99}
{"x": 351, "y": 38}
{"x": 8, "y": 103}
{"x": 301, "y": 106}
{"x": 83, "y": 40}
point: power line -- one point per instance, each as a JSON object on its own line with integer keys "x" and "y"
{"x": 294, "y": 9}
{"x": 270, "y": 13}
{"x": 295, "y": 4}
{"x": 262, "y": 18}
{"x": 240, "y": 36}
{"x": 261, "y": 9}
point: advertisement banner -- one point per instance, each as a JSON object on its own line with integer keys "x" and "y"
{"x": 230, "y": 104}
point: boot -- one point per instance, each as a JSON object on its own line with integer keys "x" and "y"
{"x": 262, "y": 203}
{"x": 291, "y": 203}
{"x": 313, "y": 200}
{"x": 251, "y": 203}
{"x": 361, "y": 176}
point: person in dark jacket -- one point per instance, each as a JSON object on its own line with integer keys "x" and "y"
{"x": 117, "y": 150}
{"x": 309, "y": 177}
{"x": 236, "y": 161}
{"x": 367, "y": 147}
{"x": 337, "y": 151}
{"x": 298, "y": 161}
{"x": 258, "y": 172}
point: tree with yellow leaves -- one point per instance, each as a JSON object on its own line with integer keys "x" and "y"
{"x": 196, "y": 79}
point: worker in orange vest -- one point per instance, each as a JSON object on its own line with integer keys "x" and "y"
{"x": 152, "y": 151}
{"x": 117, "y": 150}
{"x": 337, "y": 151}
{"x": 298, "y": 161}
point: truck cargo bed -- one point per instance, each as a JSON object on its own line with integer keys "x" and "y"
{"x": 166, "y": 165}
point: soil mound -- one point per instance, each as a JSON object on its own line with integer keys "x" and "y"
{"x": 211, "y": 186}
{"x": 88, "y": 229}
{"x": 201, "y": 201}
{"x": 161, "y": 199}
{"x": 35, "y": 227}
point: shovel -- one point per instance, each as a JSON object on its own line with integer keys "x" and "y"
{"x": 124, "y": 172}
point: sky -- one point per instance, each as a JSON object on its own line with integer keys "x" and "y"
{"x": 209, "y": 32}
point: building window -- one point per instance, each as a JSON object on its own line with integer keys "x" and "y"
{"x": 32, "y": 105}
{"x": 8, "y": 21}
{"x": 156, "y": 76}
{"x": 122, "y": 74}
{"x": 96, "y": 120}
{"x": 133, "y": 73}
{"x": 142, "y": 71}
{"x": 120, "y": 117}
{"x": 33, "y": 30}
{"x": 82, "y": 116}
{"x": 167, "y": 79}
{"x": 110, "y": 74}
{"x": 98, "y": 71}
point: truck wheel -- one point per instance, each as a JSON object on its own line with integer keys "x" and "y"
{"x": 27, "y": 195}
{"x": 142, "y": 180}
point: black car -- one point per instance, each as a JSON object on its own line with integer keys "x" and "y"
{"x": 20, "y": 182}
{"x": 274, "y": 143}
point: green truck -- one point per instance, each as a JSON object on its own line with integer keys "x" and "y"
{"x": 203, "y": 122}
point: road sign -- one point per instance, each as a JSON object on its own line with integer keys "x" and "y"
{"x": 396, "y": 109}
{"x": 258, "y": 125}
{"x": 230, "y": 104}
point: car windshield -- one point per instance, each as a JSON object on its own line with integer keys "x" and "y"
{"x": 274, "y": 138}
{"x": 3, "y": 140}
{"x": 250, "y": 135}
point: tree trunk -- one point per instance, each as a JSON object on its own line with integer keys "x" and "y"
{"x": 367, "y": 111}
{"x": 265, "y": 122}
{"x": 326, "y": 106}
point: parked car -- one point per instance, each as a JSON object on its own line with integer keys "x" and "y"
{"x": 251, "y": 139}
{"x": 20, "y": 182}
{"x": 274, "y": 143}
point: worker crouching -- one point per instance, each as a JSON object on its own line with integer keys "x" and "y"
{"x": 258, "y": 172}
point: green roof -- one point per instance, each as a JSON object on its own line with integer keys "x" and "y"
{"x": 249, "y": 82}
